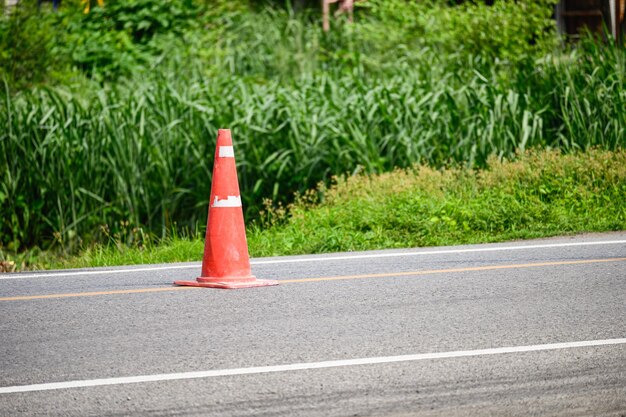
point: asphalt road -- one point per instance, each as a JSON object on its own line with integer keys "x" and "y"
{"x": 522, "y": 328}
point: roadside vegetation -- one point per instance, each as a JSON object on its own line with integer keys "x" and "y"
{"x": 539, "y": 194}
{"x": 109, "y": 121}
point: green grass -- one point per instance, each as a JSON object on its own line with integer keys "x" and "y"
{"x": 71, "y": 168}
{"x": 106, "y": 153}
{"x": 537, "y": 195}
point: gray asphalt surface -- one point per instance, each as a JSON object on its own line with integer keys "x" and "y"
{"x": 123, "y": 335}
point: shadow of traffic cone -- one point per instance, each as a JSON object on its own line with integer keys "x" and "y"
{"x": 226, "y": 263}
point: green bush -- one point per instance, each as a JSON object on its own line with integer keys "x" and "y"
{"x": 143, "y": 155}
{"x": 121, "y": 38}
{"x": 506, "y": 33}
{"x": 29, "y": 49}
{"x": 508, "y": 30}
{"x": 538, "y": 194}
{"x": 401, "y": 86}
{"x": 128, "y": 38}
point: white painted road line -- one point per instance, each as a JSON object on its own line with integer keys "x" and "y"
{"x": 86, "y": 273}
{"x": 443, "y": 252}
{"x": 317, "y": 259}
{"x": 304, "y": 366}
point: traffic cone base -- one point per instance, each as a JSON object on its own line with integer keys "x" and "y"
{"x": 228, "y": 284}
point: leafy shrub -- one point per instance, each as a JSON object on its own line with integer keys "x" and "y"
{"x": 537, "y": 194}
{"x": 29, "y": 51}
{"x": 119, "y": 38}
{"x": 303, "y": 105}
{"x": 143, "y": 19}
{"x": 507, "y": 31}
{"x": 143, "y": 153}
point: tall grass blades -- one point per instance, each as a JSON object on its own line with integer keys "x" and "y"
{"x": 411, "y": 82}
{"x": 77, "y": 166}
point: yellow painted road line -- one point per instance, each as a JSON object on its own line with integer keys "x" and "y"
{"x": 93, "y": 293}
{"x": 335, "y": 278}
{"x": 453, "y": 270}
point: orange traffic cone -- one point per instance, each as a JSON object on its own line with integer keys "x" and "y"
{"x": 226, "y": 263}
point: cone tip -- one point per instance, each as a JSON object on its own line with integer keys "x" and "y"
{"x": 223, "y": 137}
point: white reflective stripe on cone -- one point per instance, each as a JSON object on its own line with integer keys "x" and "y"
{"x": 226, "y": 152}
{"x": 231, "y": 201}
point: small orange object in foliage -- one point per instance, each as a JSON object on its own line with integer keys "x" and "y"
{"x": 88, "y": 3}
